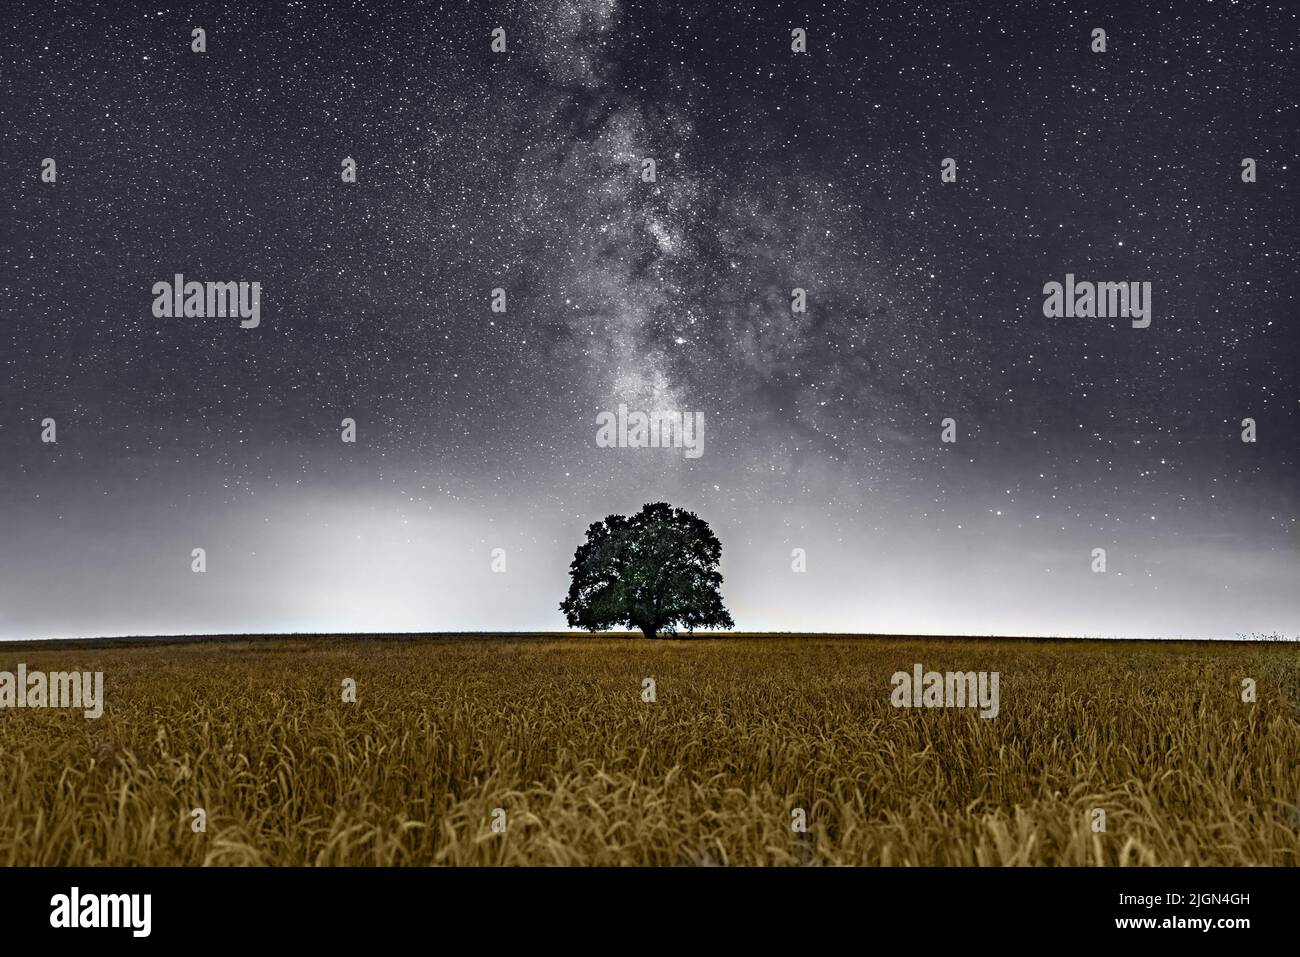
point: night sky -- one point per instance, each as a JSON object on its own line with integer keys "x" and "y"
{"x": 523, "y": 171}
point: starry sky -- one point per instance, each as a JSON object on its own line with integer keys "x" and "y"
{"x": 522, "y": 170}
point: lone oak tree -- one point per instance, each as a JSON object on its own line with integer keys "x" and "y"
{"x": 654, "y": 571}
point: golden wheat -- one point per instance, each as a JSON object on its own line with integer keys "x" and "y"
{"x": 554, "y": 732}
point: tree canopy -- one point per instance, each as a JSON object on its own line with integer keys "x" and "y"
{"x": 655, "y": 571}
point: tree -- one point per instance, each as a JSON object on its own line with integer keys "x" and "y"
{"x": 654, "y": 571}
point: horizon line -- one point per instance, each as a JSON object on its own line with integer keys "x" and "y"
{"x": 702, "y": 634}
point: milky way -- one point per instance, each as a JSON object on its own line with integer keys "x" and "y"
{"x": 524, "y": 170}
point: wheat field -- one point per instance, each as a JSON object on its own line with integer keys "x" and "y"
{"x": 542, "y": 751}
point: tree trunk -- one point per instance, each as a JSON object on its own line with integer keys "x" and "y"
{"x": 648, "y": 630}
